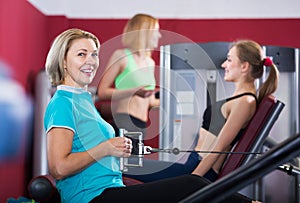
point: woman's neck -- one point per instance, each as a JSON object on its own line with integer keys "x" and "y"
{"x": 245, "y": 87}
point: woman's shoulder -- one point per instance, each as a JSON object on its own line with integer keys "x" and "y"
{"x": 119, "y": 55}
{"x": 59, "y": 98}
{"x": 246, "y": 102}
{"x": 121, "y": 52}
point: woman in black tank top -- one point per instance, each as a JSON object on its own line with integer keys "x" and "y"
{"x": 244, "y": 64}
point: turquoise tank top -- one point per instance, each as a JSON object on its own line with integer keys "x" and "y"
{"x": 134, "y": 76}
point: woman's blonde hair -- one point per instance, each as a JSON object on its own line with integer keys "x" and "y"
{"x": 251, "y": 52}
{"x": 137, "y": 34}
{"x": 58, "y": 51}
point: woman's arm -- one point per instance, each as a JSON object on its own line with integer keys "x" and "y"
{"x": 62, "y": 162}
{"x": 239, "y": 115}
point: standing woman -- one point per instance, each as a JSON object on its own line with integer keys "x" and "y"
{"x": 128, "y": 80}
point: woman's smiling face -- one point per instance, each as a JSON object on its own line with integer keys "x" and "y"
{"x": 232, "y": 66}
{"x": 81, "y": 63}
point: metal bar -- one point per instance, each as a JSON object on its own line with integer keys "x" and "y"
{"x": 165, "y": 78}
{"x": 248, "y": 173}
{"x": 122, "y": 160}
{"x": 43, "y": 96}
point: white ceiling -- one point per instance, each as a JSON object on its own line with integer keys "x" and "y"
{"x": 173, "y": 9}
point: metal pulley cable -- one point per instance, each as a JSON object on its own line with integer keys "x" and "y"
{"x": 177, "y": 151}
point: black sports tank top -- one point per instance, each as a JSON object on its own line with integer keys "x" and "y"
{"x": 213, "y": 119}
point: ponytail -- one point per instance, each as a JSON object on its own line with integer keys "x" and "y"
{"x": 270, "y": 85}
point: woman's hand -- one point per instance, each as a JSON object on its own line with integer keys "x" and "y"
{"x": 142, "y": 92}
{"x": 118, "y": 146}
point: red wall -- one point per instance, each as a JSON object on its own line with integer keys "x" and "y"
{"x": 23, "y": 37}
{"x": 26, "y": 34}
{"x": 23, "y": 44}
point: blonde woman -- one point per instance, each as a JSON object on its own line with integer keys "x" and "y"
{"x": 128, "y": 80}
